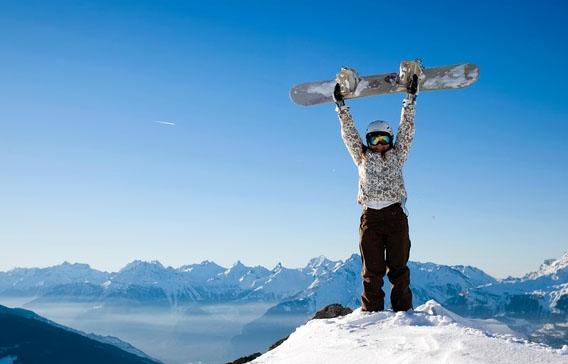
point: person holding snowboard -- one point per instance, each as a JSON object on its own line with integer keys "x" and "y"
{"x": 384, "y": 241}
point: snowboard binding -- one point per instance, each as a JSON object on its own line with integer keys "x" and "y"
{"x": 348, "y": 79}
{"x": 407, "y": 70}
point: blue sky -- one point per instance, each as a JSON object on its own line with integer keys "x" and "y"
{"x": 89, "y": 175}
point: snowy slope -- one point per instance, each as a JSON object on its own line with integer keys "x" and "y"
{"x": 430, "y": 334}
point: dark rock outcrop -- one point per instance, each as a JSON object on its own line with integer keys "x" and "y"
{"x": 276, "y": 344}
{"x": 246, "y": 359}
{"x": 332, "y": 311}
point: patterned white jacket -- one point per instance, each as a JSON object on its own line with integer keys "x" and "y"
{"x": 380, "y": 180}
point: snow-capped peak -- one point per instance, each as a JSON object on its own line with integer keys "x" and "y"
{"x": 143, "y": 265}
{"x": 553, "y": 268}
{"x": 237, "y": 264}
{"x": 320, "y": 266}
{"x": 314, "y": 262}
{"x": 143, "y": 272}
{"x": 66, "y": 266}
{"x": 205, "y": 267}
{"x": 237, "y": 270}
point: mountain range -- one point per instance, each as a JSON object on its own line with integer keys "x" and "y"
{"x": 536, "y": 304}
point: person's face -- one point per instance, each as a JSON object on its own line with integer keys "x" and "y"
{"x": 379, "y": 148}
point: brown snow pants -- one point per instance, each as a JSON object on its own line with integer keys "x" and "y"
{"x": 385, "y": 247}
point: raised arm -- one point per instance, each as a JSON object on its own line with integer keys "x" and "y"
{"x": 349, "y": 133}
{"x": 406, "y": 128}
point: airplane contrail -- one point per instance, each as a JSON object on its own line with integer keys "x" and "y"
{"x": 165, "y": 122}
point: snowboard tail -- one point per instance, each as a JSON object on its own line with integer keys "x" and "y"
{"x": 436, "y": 78}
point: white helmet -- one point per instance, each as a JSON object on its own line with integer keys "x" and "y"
{"x": 379, "y": 126}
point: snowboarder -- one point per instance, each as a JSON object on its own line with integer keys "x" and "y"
{"x": 384, "y": 241}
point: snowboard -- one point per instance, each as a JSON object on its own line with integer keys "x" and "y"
{"x": 435, "y": 78}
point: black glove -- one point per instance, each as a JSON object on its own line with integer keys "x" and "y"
{"x": 337, "y": 96}
{"x": 412, "y": 87}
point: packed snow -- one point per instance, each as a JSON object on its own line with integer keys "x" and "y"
{"x": 430, "y": 334}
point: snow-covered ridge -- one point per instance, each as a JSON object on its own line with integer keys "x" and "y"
{"x": 541, "y": 295}
{"x": 537, "y": 301}
{"x": 556, "y": 269}
{"x": 430, "y": 334}
{"x": 207, "y": 281}
{"x": 466, "y": 289}
{"x": 321, "y": 280}
{"x": 45, "y": 278}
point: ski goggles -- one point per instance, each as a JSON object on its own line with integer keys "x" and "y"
{"x": 380, "y": 139}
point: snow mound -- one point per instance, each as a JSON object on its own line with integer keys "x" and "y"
{"x": 430, "y": 334}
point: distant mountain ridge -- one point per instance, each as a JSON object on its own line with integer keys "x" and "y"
{"x": 537, "y": 295}
{"x": 536, "y": 299}
{"x": 152, "y": 283}
{"x": 320, "y": 281}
